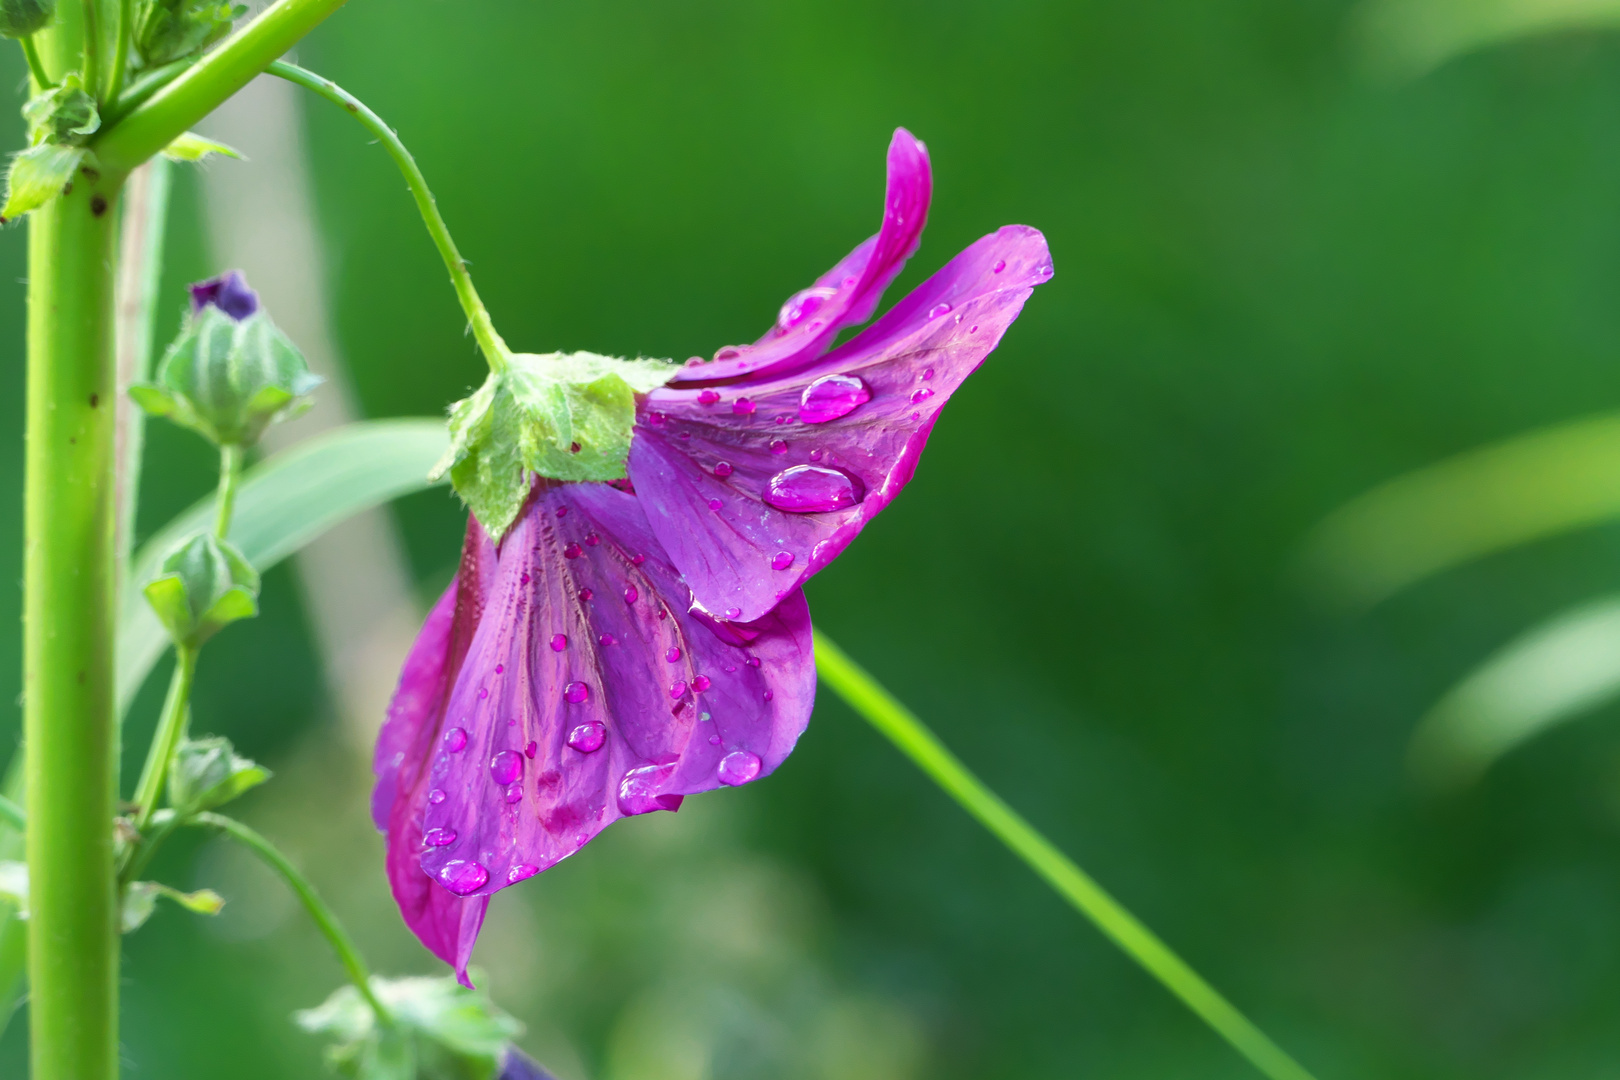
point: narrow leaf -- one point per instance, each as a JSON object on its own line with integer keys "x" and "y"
{"x": 37, "y": 176}
{"x": 1406, "y": 38}
{"x": 192, "y": 147}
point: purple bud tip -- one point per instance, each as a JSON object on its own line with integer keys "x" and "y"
{"x": 229, "y": 292}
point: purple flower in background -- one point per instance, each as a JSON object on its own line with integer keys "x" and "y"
{"x": 229, "y": 292}
{"x": 759, "y": 467}
{"x": 562, "y": 683}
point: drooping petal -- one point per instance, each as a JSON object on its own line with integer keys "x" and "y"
{"x": 591, "y": 693}
{"x": 447, "y": 924}
{"x": 753, "y": 488}
{"x": 844, "y": 296}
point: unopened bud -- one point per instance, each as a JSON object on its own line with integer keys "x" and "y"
{"x": 205, "y": 585}
{"x": 19, "y": 18}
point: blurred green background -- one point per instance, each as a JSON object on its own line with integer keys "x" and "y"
{"x": 1279, "y": 281}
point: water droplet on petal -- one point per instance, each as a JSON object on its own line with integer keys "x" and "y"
{"x": 514, "y": 793}
{"x": 439, "y": 837}
{"x": 928, "y": 373}
{"x": 592, "y": 540}
{"x": 673, "y": 654}
{"x": 715, "y": 504}
{"x": 714, "y": 740}
{"x": 723, "y": 469}
{"x": 677, "y": 689}
{"x": 733, "y": 612}
{"x": 559, "y": 642}
{"x": 739, "y": 767}
{"x": 576, "y": 693}
{"x": 939, "y": 309}
{"x": 832, "y": 396}
{"x": 811, "y": 489}
{"x": 520, "y": 872}
{"x": 782, "y": 560}
{"x": 572, "y": 551}
{"x": 637, "y": 560}
{"x": 769, "y": 694}
{"x": 506, "y": 766}
{"x": 974, "y": 329}
{"x": 462, "y": 877}
{"x": 630, "y": 594}
{"x": 1001, "y": 264}
{"x": 500, "y": 669}
{"x": 782, "y": 418}
{"x": 657, "y": 419}
{"x": 562, "y": 511}
{"x": 525, "y": 579}
{"x": 585, "y": 594}
{"x": 921, "y": 396}
{"x": 700, "y": 684}
{"x": 588, "y": 737}
{"x": 639, "y": 790}
{"x": 752, "y": 661}
{"x": 801, "y": 305}
{"x": 436, "y": 796}
{"x": 743, "y": 407}
{"x": 730, "y": 352}
{"x": 708, "y": 397}
{"x": 779, "y": 446}
{"x": 483, "y": 692}
{"x": 532, "y": 749}
{"x": 455, "y": 740}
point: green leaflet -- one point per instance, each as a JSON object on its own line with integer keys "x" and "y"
{"x": 38, "y": 175}
{"x": 442, "y": 1030}
{"x": 192, "y": 147}
{"x": 282, "y": 504}
{"x": 565, "y": 416}
{"x": 1407, "y": 38}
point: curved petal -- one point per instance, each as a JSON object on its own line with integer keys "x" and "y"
{"x": 844, "y": 296}
{"x": 754, "y": 488}
{"x": 590, "y": 693}
{"x": 447, "y": 924}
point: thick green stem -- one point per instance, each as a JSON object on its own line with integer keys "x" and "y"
{"x": 493, "y": 347}
{"x": 36, "y": 66}
{"x": 192, "y": 96}
{"x": 230, "y": 471}
{"x": 171, "y": 728}
{"x": 68, "y": 679}
{"x": 868, "y": 698}
{"x": 325, "y": 920}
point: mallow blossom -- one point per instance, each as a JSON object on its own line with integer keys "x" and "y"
{"x": 628, "y": 644}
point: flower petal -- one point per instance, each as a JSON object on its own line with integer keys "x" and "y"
{"x": 590, "y": 693}
{"x": 754, "y": 488}
{"x": 844, "y": 296}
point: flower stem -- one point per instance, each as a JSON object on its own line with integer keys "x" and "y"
{"x": 325, "y": 920}
{"x": 171, "y": 727}
{"x": 91, "y": 71}
{"x": 36, "y": 66}
{"x": 897, "y": 723}
{"x": 230, "y": 471}
{"x": 494, "y": 349}
{"x": 120, "y": 60}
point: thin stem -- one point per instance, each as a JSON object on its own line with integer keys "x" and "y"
{"x": 230, "y": 471}
{"x": 868, "y": 698}
{"x": 91, "y": 72}
{"x": 143, "y": 89}
{"x": 494, "y": 349}
{"x": 325, "y": 920}
{"x": 36, "y": 66}
{"x": 120, "y": 60}
{"x": 171, "y": 726}
{"x": 12, "y": 814}
{"x": 202, "y": 89}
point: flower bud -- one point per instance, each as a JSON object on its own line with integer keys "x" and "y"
{"x": 171, "y": 29}
{"x": 230, "y": 374}
{"x": 19, "y": 18}
{"x": 208, "y": 772}
{"x": 206, "y": 584}
{"x": 440, "y": 1029}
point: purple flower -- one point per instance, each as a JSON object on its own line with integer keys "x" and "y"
{"x": 562, "y": 683}
{"x": 229, "y": 292}
{"x": 759, "y": 467}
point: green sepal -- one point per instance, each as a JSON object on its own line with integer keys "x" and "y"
{"x": 564, "y": 416}
{"x": 167, "y": 30}
{"x": 205, "y": 585}
{"x": 140, "y": 900}
{"x": 38, "y": 175}
{"x": 191, "y": 147}
{"x": 65, "y": 114}
{"x": 229, "y": 379}
{"x": 208, "y": 773}
{"x": 442, "y": 1031}
{"x": 19, "y": 18}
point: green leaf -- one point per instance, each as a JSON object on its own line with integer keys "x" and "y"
{"x": 38, "y": 175}
{"x": 208, "y": 772}
{"x": 282, "y": 504}
{"x": 167, "y": 30}
{"x": 565, "y": 416}
{"x": 443, "y": 1031}
{"x": 1510, "y": 493}
{"x": 1406, "y": 38}
{"x": 192, "y": 147}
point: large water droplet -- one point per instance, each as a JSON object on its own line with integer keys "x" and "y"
{"x": 739, "y": 767}
{"x": 630, "y": 594}
{"x": 921, "y": 395}
{"x": 801, "y": 305}
{"x": 708, "y": 397}
{"x": 576, "y": 693}
{"x": 439, "y": 837}
{"x": 677, "y": 689}
{"x": 588, "y": 737}
{"x": 462, "y": 877}
{"x": 532, "y": 749}
{"x": 506, "y": 766}
{"x": 585, "y": 594}
{"x": 939, "y": 309}
{"x": 701, "y": 683}
{"x": 520, "y": 872}
{"x": 723, "y": 469}
{"x": 436, "y": 796}
{"x": 743, "y": 407}
{"x": 832, "y": 396}
{"x": 782, "y": 560}
{"x": 572, "y": 551}
{"x": 559, "y": 642}
{"x": 811, "y": 489}
{"x": 639, "y": 790}
{"x": 455, "y": 740}
{"x": 673, "y": 654}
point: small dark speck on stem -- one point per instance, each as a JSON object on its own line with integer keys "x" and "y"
{"x": 67, "y": 188}
{"x": 351, "y": 106}
{"x": 81, "y": 678}
{"x": 95, "y": 400}
{"x": 93, "y": 174}
{"x": 72, "y": 441}
{"x": 98, "y": 205}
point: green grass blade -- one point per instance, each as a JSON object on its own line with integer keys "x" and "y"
{"x": 868, "y": 698}
{"x": 283, "y": 503}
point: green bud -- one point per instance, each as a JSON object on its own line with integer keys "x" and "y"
{"x": 64, "y": 115}
{"x": 168, "y": 30}
{"x": 229, "y": 376}
{"x": 206, "y": 584}
{"x": 19, "y": 18}
{"x": 208, "y": 772}
{"x": 443, "y": 1031}
{"x": 140, "y": 900}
